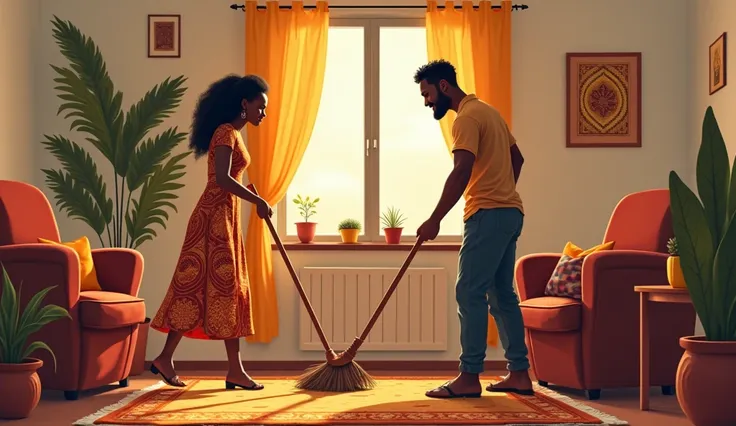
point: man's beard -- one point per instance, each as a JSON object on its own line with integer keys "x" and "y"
{"x": 441, "y": 106}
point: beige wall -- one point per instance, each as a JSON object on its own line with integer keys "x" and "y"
{"x": 568, "y": 193}
{"x": 18, "y": 25}
{"x": 710, "y": 18}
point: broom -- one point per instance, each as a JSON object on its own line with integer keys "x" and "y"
{"x": 339, "y": 373}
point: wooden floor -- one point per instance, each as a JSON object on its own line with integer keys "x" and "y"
{"x": 624, "y": 404}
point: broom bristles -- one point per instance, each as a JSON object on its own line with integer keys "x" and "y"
{"x": 327, "y": 378}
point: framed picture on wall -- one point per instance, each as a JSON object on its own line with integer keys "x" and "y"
{"x": 717, "y": 64}
{"x": 164, "y": 36}
{"x": 604, "y": 100}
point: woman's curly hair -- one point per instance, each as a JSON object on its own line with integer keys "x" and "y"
{"x": 221, "y": 103}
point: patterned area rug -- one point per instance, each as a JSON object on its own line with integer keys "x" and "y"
{"x": 395, "y": 401}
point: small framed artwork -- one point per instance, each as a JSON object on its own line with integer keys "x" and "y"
{"x": 717, "y": 64}
{"x": 164, "y": 36}
{"x": 603, "y": 100}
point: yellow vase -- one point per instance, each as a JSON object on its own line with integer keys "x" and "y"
{"x": 349, "y": 235}
{"x": 674, "y": 272}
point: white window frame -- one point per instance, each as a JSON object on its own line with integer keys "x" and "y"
{"x": 372, "y": 231}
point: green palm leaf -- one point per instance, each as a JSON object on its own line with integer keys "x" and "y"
{"x": 154, "y": 197}
{"x": 8, "y": 316}
{"x": 89, "y": 94}
{"x": 39, "y": 345}
{"x": 155, "y": 106}
{"x": 71, "y": 197}
{"x": 80, "y": 166}
{"x": 151, "y": 154}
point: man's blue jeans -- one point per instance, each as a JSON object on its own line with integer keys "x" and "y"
{"x": 486, "y": 281}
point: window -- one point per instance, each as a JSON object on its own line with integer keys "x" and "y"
{"x": 375, "y": 145}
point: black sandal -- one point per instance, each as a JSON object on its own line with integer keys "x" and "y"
{"x": 451, "y": 394}
{"x": 254, "y": 387}
{"x": 525, "y": 392}
{"x": 169, "y": 381}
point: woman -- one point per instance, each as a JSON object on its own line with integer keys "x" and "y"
{"x": 209, "y": 295}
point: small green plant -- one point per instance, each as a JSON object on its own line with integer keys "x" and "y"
{"x": 672, "y": 247}
{"x": 392, "y": 218}
{"x": 16, "y": 326}
{"x": 350, "y": 224}
{"x": 306, "y": 206}
{"x": 705, "y": 228}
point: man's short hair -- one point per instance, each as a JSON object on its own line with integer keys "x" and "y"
{"x": 435, "y": 71}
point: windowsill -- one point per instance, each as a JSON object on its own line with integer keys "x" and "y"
{"x": 368, "y": 246}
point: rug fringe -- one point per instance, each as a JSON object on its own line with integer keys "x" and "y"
{"x": 90, "y": 420}
{"x": 607, "y": 419}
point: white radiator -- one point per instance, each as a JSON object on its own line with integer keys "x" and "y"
{"x": 344, "y": 298}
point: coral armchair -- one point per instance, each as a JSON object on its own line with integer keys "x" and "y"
{"x": 96, "y": 347}
{"x": 593, "y": 343}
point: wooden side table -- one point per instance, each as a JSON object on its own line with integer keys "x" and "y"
{"x": 652, "y": 294}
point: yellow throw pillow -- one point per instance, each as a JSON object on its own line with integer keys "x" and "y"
{"x": 87, "y": 271}
{"x": 575, "y": 252}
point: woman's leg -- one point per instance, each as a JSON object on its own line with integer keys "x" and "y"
{"x": 165, "y": 361}
{"x": 236, "y": 374}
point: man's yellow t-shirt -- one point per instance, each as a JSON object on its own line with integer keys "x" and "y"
{"x": 480, "y": 129}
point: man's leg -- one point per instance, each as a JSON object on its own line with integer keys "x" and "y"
{"x": 504, "y": 306}
{"x": 484, "y": 246}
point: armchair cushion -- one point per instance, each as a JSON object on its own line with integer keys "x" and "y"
{"x": 107, "y": 310}
{"x": 87, "y": 272}
{"x": 551, "y": 313}
{"x": 566, "y": 278}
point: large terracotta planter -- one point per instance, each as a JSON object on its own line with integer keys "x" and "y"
{"x": 705, "y": 379}
{"x": 20, "y": 388}
{"x": 393, "y": 235}
{"x": 305, "y": 231}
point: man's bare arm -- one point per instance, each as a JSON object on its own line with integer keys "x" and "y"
{"x": 455, "y": 184}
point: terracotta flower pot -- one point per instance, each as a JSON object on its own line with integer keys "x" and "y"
{"x": 350, "y": 235}
{"x": 705, "y": 379}
{"x": 393, "y": 235}
{"x": 674, "y": 272}
{"x": 305, "y": 231}
{"x": 20, "y": 388}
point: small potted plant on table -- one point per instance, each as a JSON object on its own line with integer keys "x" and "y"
{"x": 674, "y": 270}
{"x": 392, "y": 220}
{"x": 349, "y": 230}
{"x": 306, "y": 230}
{"x": 20, "y": 385}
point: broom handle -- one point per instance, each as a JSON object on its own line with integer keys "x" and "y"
{"x": 294, "y": 277}
{"x": 389, "y": 292}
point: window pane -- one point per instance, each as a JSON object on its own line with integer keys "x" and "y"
{"x": 414, "y": 161}
{"x": 333, "y": 164}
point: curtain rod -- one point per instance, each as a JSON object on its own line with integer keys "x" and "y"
{"x": 242, "y": 7}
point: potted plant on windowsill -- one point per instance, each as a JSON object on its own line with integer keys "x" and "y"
{"x": 20, "y": 385}
{"x": 705, "y": 229}
{"x": 306, "y": 230}
{"x": 392, "y": 220}
{"x": 674, "y": 270}
{"x": 349, "y": 230}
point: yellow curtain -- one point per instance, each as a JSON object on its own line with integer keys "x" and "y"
{"x": 288, "y": 48}
{"x": 478, "y": 43}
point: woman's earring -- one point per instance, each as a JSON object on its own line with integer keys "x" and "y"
{"x": 243, "y": 115}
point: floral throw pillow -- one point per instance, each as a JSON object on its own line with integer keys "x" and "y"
{"x": 566, "y": 280}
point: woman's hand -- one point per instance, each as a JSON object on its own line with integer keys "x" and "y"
{"x": 263, "y": 209}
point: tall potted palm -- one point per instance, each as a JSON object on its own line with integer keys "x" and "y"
{"x": 20, "y": 385}
{"x": 145, "y": 171}
{"x": 705, "y": 229}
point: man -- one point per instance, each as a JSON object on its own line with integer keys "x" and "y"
{"x": 487, "y": 163}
